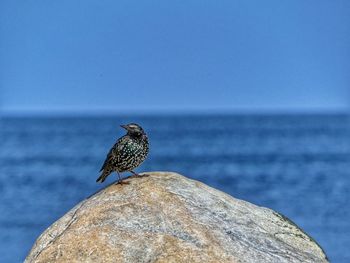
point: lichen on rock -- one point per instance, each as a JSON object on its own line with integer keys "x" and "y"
{"x": 166, "y": 217}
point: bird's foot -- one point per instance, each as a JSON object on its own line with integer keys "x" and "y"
{"x": 143, "y": 175}
{"x": 122, "y": 182}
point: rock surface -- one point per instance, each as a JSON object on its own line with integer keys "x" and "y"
{"x": 166, "y": 217}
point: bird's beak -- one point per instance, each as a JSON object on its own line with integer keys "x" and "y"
{"x": 124, "y": 126}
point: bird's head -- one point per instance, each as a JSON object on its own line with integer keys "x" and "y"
{"x": 134, "y": 129}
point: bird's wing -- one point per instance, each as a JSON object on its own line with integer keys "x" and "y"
{"x": 108, "y": 158}
{"x": 113, "y": 152}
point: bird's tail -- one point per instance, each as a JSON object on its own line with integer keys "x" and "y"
{"x": 103, "y": 176}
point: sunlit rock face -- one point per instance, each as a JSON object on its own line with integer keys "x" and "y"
{"x": 166, "y": 217}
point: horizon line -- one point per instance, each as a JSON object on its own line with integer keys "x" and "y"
{"x": 163, "y": 112}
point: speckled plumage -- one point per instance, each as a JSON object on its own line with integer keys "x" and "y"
{"x": 127, "y": 153}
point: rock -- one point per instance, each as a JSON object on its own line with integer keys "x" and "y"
{"x": 166, "y": 217}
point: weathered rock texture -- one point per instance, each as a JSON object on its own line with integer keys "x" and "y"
{"x": 166, "y": 217}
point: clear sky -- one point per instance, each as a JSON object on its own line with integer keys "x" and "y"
{"x": 121, "y": 55}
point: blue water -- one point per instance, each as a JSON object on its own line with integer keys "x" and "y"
{"x": 297, "y": 165}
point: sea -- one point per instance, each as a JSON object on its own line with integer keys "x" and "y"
{"x": 298, "y": 165}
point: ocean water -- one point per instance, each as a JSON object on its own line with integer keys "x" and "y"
{"x": 298, "y": 165}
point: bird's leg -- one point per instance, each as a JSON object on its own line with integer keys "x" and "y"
{"x": 120, "y": 181}
{"x": 139, "y": 175}
{"x": 134, "y": 173}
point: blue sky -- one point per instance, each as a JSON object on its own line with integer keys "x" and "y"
{"x": 116, "y": 56}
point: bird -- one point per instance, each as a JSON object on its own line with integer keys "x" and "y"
{"x": 127, "y": 153}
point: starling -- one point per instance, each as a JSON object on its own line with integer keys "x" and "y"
{"x": 127, "y": 153}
